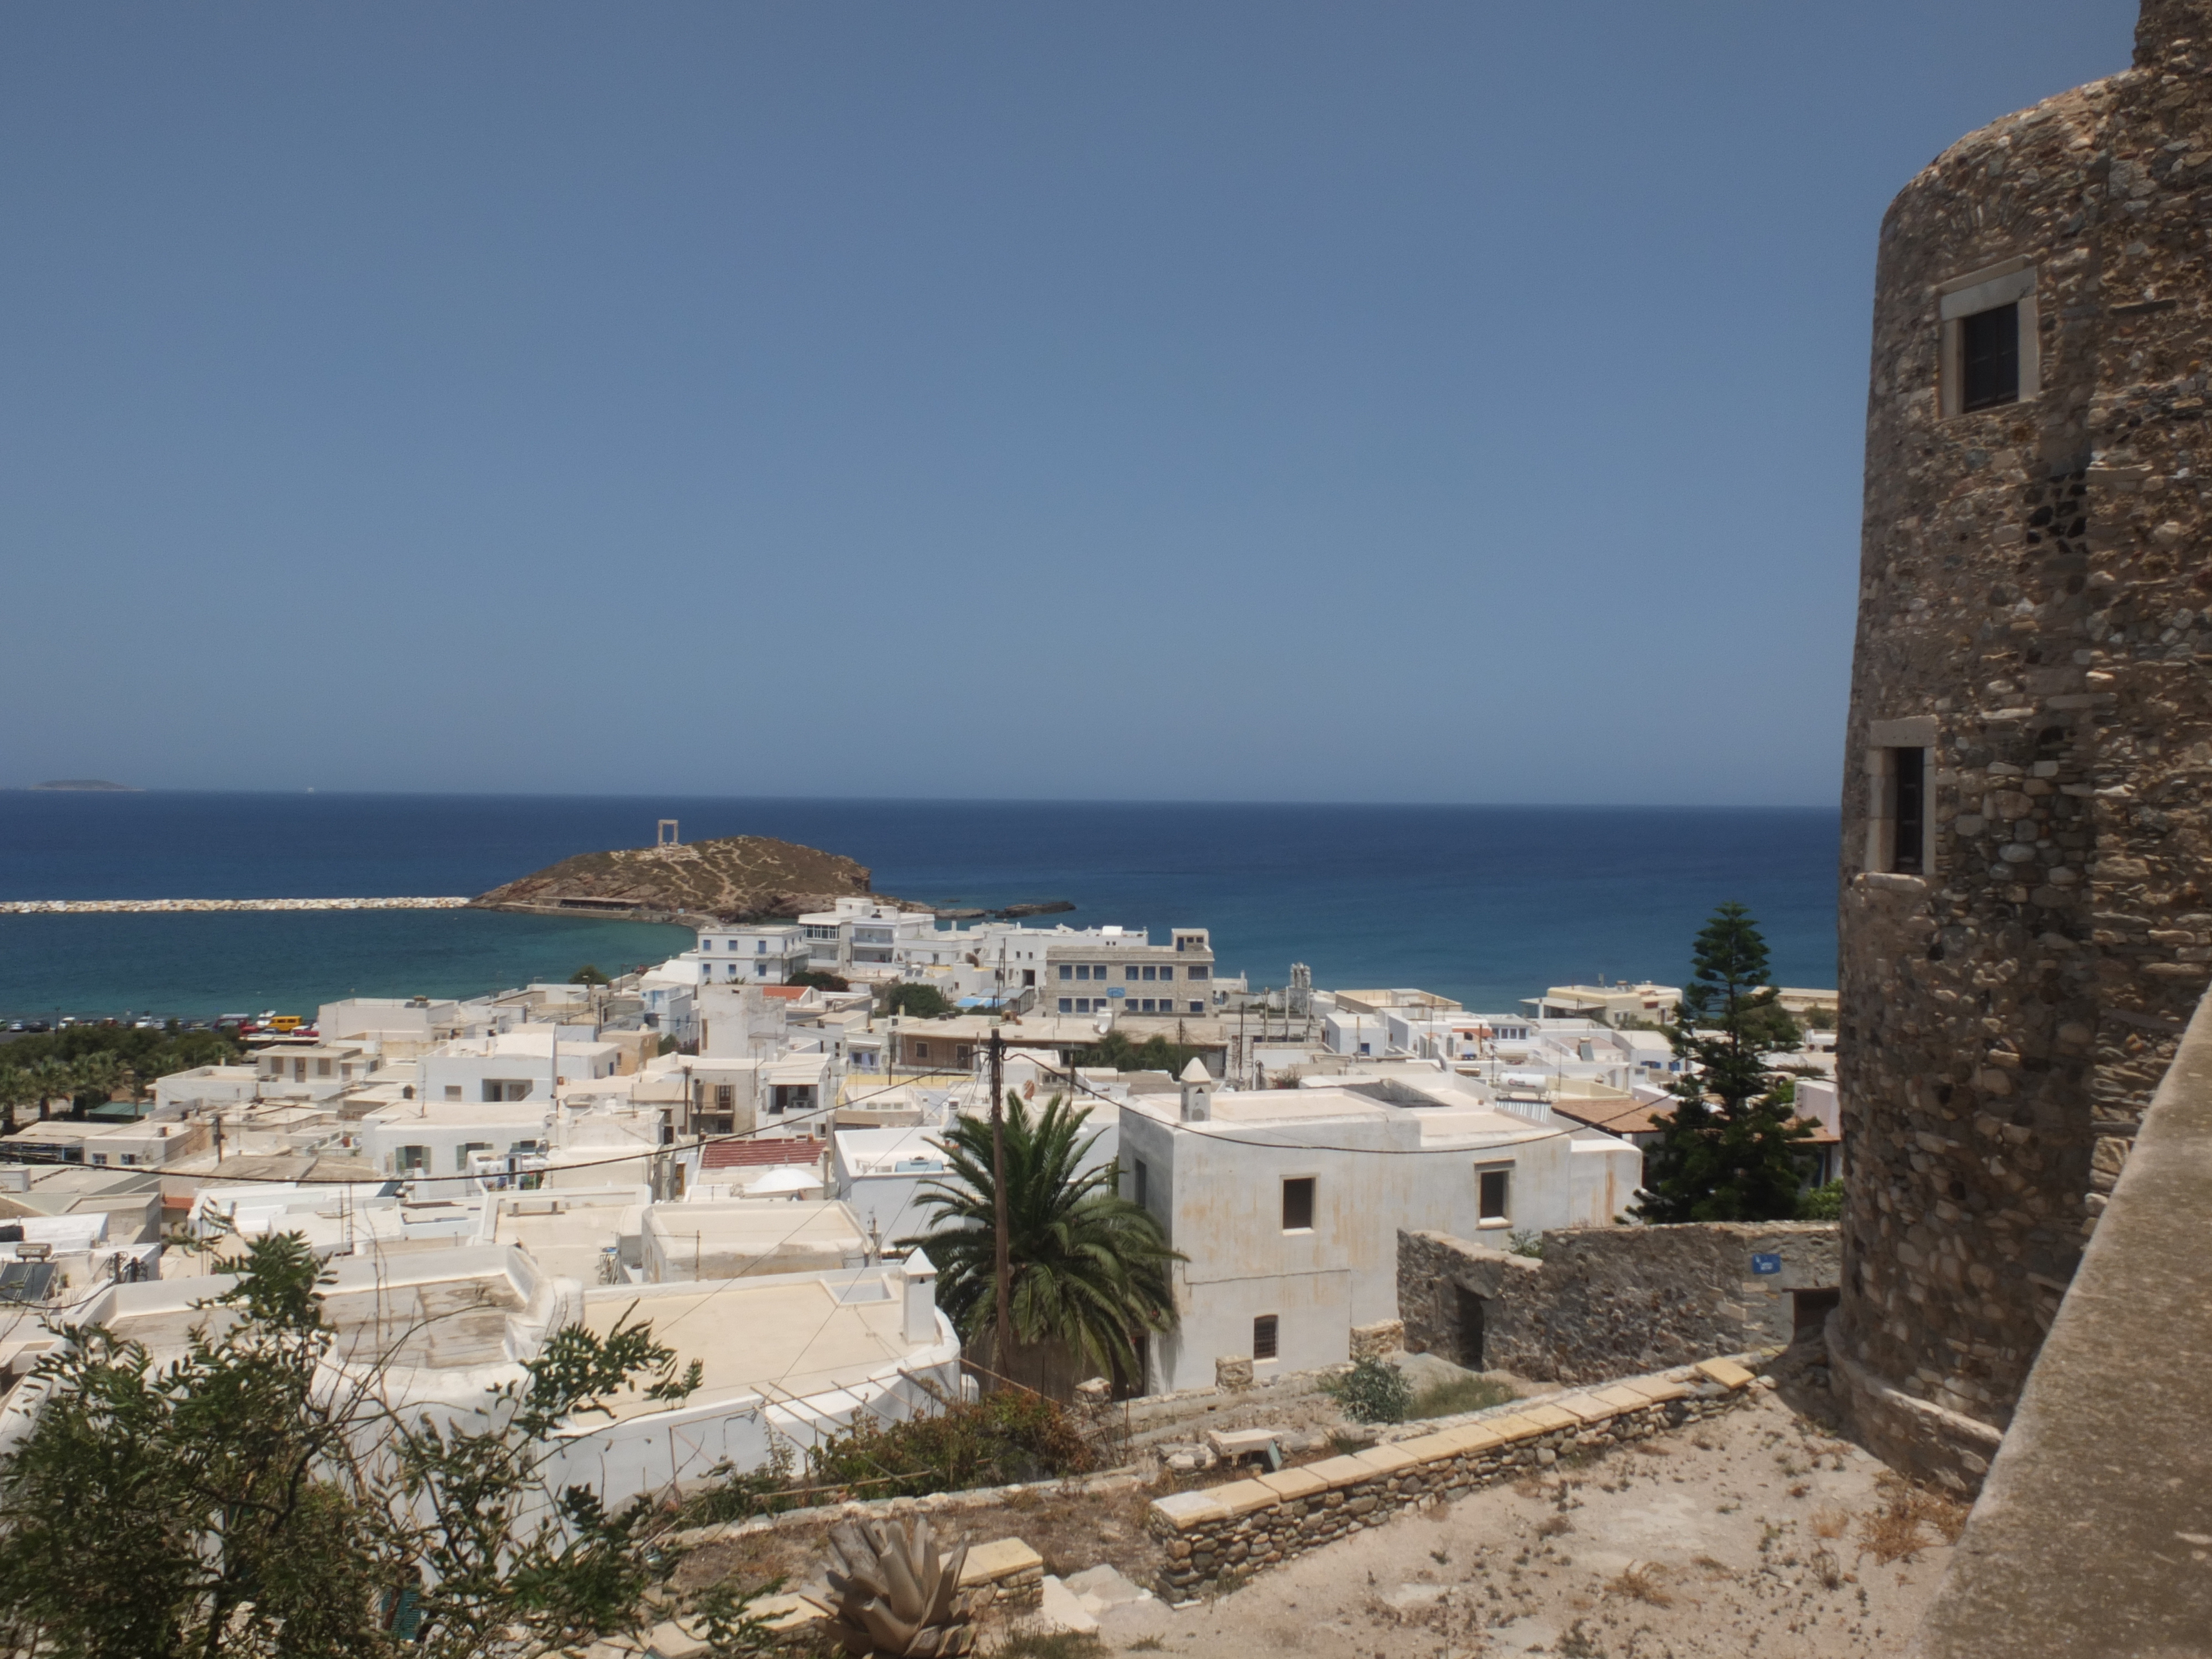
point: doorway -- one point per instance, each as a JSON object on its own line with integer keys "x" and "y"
{"x": 1471, "y": 1322}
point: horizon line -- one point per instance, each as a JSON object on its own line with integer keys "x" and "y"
{"x": 955, "y": 800}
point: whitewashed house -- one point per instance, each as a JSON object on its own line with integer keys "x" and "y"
{"x": 1288, "y": 1203}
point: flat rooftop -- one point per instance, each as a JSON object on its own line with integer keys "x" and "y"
{"x": 437, "y": 1309}
{"x": 759, "y": 1336}
{"x": 569, "y": 1244}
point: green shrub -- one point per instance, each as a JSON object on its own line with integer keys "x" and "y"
{"x": 999, "y": 1440}
{"x": 1372, "y": 1392}
{"x": 1523, "y": 1241}
{"x": 996, "y": 1440}
{"x": 820, "y": 981}
{"x": 735, "y": 1496}
{"x": 1154, "y": 1054}
{"x": 917, "y": 1002}
{"x": 1460, "y": 1394}
{"x": 1821, "y": 1203}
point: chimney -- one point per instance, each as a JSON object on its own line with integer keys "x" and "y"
{"x": 2169, "y": 33}
{"x": 1197, "y": 1093}
{"x": 918, "y": 1276}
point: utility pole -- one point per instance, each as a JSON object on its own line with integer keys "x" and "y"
{"x": 1003, "y": 1344}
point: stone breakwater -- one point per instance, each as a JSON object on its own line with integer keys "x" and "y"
{"x": 1219, "y": 1536}
{"x": 166, "y": 907}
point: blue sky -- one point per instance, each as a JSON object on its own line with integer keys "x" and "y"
{"x": 1268, "y": 401}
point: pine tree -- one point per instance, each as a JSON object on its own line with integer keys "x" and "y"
{"x": 1733, "y": 1148}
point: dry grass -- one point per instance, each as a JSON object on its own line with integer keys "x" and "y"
{"x": 1830, "y": 1521}
{"x": 1641, "y": 1582}
{"x": 1898, "y": 1531}
{"x": 1718, "y": 1569}
{"x": 1826, "y": 1568}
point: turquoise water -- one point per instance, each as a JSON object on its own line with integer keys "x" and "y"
{"x": 1485, "y": 904}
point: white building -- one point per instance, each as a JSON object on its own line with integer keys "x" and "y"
{"x": 1609, "y": 1005}
{"x": 787, "y": 1359}
{"x": 438, "y": 1137}
{"x": 718, "y": 1239}
{"x": 864, "y": 934}
{"x": 1123, "y": 973}
{"x": 767, "y": 954}
{"x": 1288, "y": 1203}
{"x": 523, "y": 1064}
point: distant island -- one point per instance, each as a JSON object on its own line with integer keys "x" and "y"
{"x": 736, "y": 879}
{"x": 96, "y": 786}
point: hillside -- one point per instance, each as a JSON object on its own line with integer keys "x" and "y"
{"x": 737, "y": 878}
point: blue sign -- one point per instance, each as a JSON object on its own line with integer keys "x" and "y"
{"x": 1766, "y": 1264}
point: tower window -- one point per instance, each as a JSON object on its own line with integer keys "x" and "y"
{"x": 1264, "y": 1338}
{"x": 1989, "y": 358}
{"x": 1298, "y": 1204}
{"x": 1990, "y": 353}
{"x": 1910, "y": 769}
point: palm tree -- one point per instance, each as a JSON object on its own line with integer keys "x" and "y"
{"x": 1088, "y": 1268}
{"x": 50, "y": 1078}
{"x": 94, "y": 1079}
{"x": 16, "y": 1089}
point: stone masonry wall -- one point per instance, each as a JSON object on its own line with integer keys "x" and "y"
{"x": 1608, "y": 1300}
{"x": 1219, "y": 1536}
{"x": 2036, "y": 610}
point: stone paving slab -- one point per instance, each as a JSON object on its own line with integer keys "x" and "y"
{"x": 1294, "y": 1483}
{"x": 1726, "y": 1372}
{"x": 1584, "y": 1407}
{"x": 1184, "y": 1509}
{"x": 1623, "y": 1399}
{"x": 1547, "y": 1418}
{"x": 1001, "y": 1558}
{"x": 1385, "y": 1459}
{"x": 1341, "y": 1471}
{"x": 1242, "y": 1497}
{"x": 1518, "y": 1427}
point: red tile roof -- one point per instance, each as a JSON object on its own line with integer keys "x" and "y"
{"x": 742, "y": 1154}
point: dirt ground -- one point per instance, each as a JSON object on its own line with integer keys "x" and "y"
{"x": 1760, "y": 1532}
{"x": 1756, "y": 1532}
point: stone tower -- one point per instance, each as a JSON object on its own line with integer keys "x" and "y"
{"x": 2026, "y": 896}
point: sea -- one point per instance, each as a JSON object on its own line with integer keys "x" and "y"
{"x": 1485, "y": 904}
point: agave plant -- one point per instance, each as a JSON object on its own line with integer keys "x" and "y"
{"x": 897, "y": 1597}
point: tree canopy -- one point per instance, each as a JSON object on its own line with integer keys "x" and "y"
{"x": 250, "y": 1499}
{"x": 916, "y": 1001}
{"x": 1733, "y": 1148}
{"x": 1154, "y": 1054}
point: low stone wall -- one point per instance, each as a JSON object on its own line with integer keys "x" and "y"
{"x": 1927, "y": 1441}
{"x": 1217, "y": 1537}
{"x": 931, "y": 1504}
{"x": 1607, "y": 1300}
